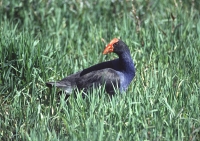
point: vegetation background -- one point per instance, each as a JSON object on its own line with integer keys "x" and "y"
{"x": 43, "y": 40}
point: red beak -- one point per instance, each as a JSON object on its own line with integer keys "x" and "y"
{"x": 109, "y": 48}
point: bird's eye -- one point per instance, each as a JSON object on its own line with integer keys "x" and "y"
{"x": 115, "y": 43}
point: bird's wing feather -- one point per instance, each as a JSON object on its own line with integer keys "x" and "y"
{"x": 67, "y": 83}
{"x": 109, "y": 64}
{"x": 108, "y": 76}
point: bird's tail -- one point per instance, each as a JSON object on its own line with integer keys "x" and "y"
{"x": 67, "y": 87}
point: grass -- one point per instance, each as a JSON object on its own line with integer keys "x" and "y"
{"x": 48, "y": 40}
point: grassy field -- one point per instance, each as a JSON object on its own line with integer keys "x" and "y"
{"x": 47, "y": 40}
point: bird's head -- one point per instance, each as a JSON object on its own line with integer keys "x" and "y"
{"x": 117, "y": 46}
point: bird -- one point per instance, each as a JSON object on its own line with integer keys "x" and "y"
{"x": 114, "y": 75}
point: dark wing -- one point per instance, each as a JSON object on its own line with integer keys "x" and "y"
{"x": 92, "y": 75}
{"x": 71, "y": 79}
{"x": 67, "y": 84}
{"x": 104, "y": 65}
{"x": 107, "y": 77}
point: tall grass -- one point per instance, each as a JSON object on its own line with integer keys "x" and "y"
{"x": 48, "y": 40}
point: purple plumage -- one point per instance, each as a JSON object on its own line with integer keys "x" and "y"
{"x": 114, "y": 74}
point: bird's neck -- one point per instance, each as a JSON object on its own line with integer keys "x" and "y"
{"x": 126, "y": 62}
